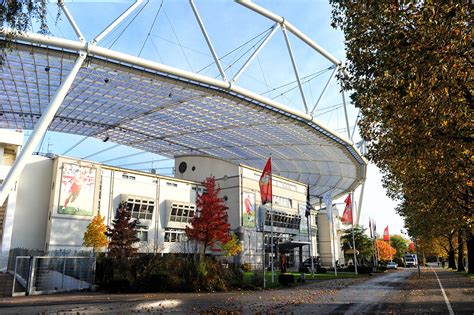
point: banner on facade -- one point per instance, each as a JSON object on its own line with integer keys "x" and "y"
{"x": 76, "y": 195}
{"x": 304, "y": 218}
{"x": 248, "y": 209}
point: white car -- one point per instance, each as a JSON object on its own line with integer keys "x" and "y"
{"x": 392, "y": 265}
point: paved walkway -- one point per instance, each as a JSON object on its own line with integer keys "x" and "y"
{"x": 425, "y": 295}
{"x": 399, "y": 292}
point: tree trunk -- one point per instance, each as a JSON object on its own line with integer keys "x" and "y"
{"x": 461, "y": 250}
{"x": 451, "y": 255}
{"x": 470, "y": 251}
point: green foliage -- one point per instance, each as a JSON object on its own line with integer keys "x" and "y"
{"x": 364, "y": 244}
{"x": 18, "y": 16}
{"x": 400, "y": 244}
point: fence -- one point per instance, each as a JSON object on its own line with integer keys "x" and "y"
{"x": 52, "y": 274}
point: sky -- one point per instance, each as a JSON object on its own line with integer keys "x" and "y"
{"x": 167, "y": 32}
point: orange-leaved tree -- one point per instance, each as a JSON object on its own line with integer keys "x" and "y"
{"x": 94, "y": 236}
{"x": 209, "y": 226}
{"x": 385, "y": 251}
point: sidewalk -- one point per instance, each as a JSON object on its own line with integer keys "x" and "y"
{"x": 425, "y": 295}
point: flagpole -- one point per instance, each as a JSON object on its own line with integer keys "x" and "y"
{"x": 310, "y": 238}
{"x": 263, "y": 251}
{"x": 353, "y": 239}
{"x": 333, "y": 244}
{"x": 271, "y": 240}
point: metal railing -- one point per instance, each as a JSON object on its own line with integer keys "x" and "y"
{"x": 52, "y": 274}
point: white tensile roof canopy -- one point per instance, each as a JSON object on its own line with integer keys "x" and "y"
{"x": 170, "y": 112}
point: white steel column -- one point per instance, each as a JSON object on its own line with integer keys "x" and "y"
{"x": 208, "y": 40}
{"x": 116, "y": 22}
{"x": 40, "y": 129}
{"x": 333, "y": 74}
{"x": 295, "y": 68}
{"x": 71, "y": 20}
{"x": 345, "y": 112}
{"x": 255, "y": 53}
{"x": 294, "y": 30}
{"x": 361, "y": 196}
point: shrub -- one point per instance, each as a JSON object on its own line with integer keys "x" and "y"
{"x": 286, "y": 279}
{"x": 174, "y": 273}
{"x": 246, "y": 267}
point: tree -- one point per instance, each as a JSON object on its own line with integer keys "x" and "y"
{"x": 94, "y": 236}
{"x": 410, "y": 66}
{"x": 400, "y": 244}
{"x": 18, "y": 16}
{"x": 232, "y": 247}
{"x": 385, "y": 251}
{"x": 122, "y": 234}
{"x": 363, "y": 243}
{"x": 209, "y": 226}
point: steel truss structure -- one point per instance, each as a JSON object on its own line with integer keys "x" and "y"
{"x": 81, "y": 88}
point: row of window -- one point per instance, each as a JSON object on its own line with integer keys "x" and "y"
{"x": 140, "y": 208}
{"x": 278, "y": 183}
{"x": 182, "y": 212}
{"x": 284, "y": 220}
{"x": 175, "y": 236}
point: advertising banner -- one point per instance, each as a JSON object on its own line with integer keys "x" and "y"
{"x": 248, "y": 209}
{"x": 304, "y": 218}
{"x": 76, "y": 195}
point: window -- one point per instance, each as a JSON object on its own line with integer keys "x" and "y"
{"x": 278, "y": 183}
{"x": 142, "y": 235}
{"x": 175, "y": 235}
{"x": 182, "y": 212}
{"x": 284, "y": 220}
{"x": 282, "y": 201}
{"x": 140, "y": 207}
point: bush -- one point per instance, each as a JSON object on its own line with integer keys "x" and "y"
{"x": 246, "y": 267}
{"x": 118, "y": 286}
{"x": 286, "y": 279}
{"x": 175, "y": 273}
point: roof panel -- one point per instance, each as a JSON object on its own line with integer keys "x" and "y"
{"x": 170, "y": 116}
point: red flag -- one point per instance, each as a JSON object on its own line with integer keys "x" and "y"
{"x": 266, "y": 183}
{"x": 347, "y": 215}
{"x": 386, "y": 236}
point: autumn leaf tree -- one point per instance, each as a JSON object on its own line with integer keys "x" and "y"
{"x": 122, "y": 234}
{"x": 410, "y": 66}
{"x": 385, "y": 251}
{"x": 94, "y": 236}
{"x": 232, "y": 247}
{"x": 209, "y": 226}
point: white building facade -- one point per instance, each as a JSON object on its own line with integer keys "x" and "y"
{"x": 56, "y": 198}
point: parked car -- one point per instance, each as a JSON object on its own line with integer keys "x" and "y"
{"x": 392, "y": 265}
{"x": 316, "y": 262}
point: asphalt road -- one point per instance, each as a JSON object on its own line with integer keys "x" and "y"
{"x": 393, "y": 292}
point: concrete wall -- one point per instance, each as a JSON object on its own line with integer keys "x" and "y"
{"x": 31, "y": 213}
